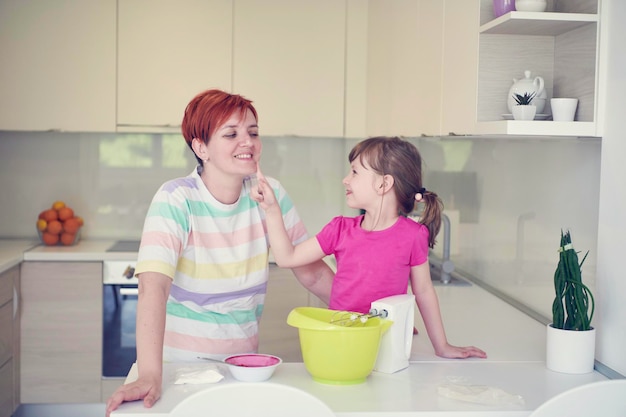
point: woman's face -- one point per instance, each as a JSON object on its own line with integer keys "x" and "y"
{"x": 235, "y": 148}
{"x": 361, "y": 185}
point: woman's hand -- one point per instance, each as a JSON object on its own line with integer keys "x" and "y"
{"x": 146, "y": 389}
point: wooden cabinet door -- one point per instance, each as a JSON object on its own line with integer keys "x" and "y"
{"x": 289, "y": 58}
{"x": 9, "y": 339}
{"x": 460, "y": 67}
{"x": 6, "y": 360}
{"x": 169, "y": 51}
{"x": 422, "y": 67}
{"x": 405, "y": 46}
{"x": 58, "y": 65}
{"x": 61, "y": 337}
{"x": 17, "y": 305}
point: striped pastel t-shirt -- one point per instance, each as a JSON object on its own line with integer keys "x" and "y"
{"x": 217, "y": 257}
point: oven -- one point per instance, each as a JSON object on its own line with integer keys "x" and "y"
{"x": 119, "y": 294}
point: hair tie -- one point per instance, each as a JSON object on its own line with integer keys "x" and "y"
{"x": 420, "y": 194}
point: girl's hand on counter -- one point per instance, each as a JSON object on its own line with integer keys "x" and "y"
{"x": 461, "y": 352}
{"x": 147, "y": 389}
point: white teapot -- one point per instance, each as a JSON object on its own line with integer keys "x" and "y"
{"x": 528, "y": 85}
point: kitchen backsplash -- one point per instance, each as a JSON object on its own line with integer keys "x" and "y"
{"x": 508, "y": 198}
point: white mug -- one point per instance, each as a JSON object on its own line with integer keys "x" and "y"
{"x": 563, "y": 109}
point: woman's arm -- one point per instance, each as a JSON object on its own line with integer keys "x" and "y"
{"x": 154, "y": 289}
{"x": 317, "y": 278}
{"x": 428, "y": 305}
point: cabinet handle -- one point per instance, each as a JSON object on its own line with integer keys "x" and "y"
{"x": 129, "y": 291}
{"x": 16, "y": 301}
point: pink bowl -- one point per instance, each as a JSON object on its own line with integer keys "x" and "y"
{"x": 252, "y": 367}
{"x": 252, "y": 360}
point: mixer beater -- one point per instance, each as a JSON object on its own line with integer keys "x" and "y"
{"x": 347, "y": 319}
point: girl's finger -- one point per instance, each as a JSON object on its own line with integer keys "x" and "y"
{"x": 259, "y": 174}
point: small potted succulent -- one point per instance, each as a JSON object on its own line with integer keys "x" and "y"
{"x": 524, "y": 109}
{"x": 570, "y": 337}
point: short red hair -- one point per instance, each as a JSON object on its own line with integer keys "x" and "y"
{"x": 209, "y": 110}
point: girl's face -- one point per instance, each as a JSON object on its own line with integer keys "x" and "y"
{"x": 362, "y": 185}
{"x": 235, "y": 148}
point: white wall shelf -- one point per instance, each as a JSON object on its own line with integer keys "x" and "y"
{"x": 537, "y": 127}
{"x": 538, "y": 24}
{"x": 561, "y": 45}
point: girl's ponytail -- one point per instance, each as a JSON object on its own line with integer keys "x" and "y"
{"x": 431, "y": 216}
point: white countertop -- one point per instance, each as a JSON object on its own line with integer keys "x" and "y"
{"x": 473, "y": 316}
{"x": 410, "y": 392}
{"x": 515, "y": 344}
{"x": 84, "y": 250}
{"x": 12, "y": 251}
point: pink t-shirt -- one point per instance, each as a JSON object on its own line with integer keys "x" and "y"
{"x": 371, "y": 265}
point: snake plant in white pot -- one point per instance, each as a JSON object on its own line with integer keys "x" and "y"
{"x": 524, "y": 109}
{"x": 570, "y": 338}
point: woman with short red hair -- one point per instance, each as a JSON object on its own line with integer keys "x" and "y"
{"x": 203, "y": 261}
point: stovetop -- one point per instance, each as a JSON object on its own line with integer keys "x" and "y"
{"x": 125, "y": 246}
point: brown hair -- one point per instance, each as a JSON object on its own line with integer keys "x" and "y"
{"x": 209, "y": 110}
{"x": 401, "y": 159}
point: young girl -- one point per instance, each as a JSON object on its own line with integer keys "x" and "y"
{"x": 377, "y": 252}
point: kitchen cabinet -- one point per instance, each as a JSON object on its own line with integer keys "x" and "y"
{"x": 169, "y": 51}
{"x": 58, "y": 65}
{"x": 561, "y": 45}
{"x": 284, "y": 293}
{"x": 61, "y": 332}
{"x": 422, "y": 67}
{"x": 459, "y": 68}
{"x": 289, "y": 58}
{"x": 9, "y": 341}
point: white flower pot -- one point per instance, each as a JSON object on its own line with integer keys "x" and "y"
{"x": 570, "y": 351}
{"x": 524, "y": 112}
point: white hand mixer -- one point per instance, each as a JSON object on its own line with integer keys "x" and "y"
{"x": 395, "y": 343}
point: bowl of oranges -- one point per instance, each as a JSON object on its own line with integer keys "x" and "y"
{"x": 59, "y": 225}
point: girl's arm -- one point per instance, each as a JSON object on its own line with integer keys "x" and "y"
{"x": 285, "y": 253}
{"x": 428, "y": 305}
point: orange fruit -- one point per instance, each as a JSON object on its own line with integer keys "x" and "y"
{"x": 42, "y": 214}
{"x": 71, "y": 225}
{"x": 58, "y": 205}
{"x": 41, "y": 225}
{"x": 80, "y": 220}
{"x": 68, "y": 238}
{"x": 49, "y": 215}
{"x": 55, "y": 227}
{"x": 65, "y": 213}
{"x": 49, "y": 239}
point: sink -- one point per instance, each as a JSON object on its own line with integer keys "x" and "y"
{"x": 125, "y": 246}
{"x": 453, "y": 279}
{"x": 442, "y": 269}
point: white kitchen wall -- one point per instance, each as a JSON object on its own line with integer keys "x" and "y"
{"x": 511, "y": 196}
{"x": 110, "y": 179}
{"x": 611, "y": 287}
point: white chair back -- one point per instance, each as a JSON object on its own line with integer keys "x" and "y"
{"x": 252, "y": 400}
{"x": 602, "y": 399}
